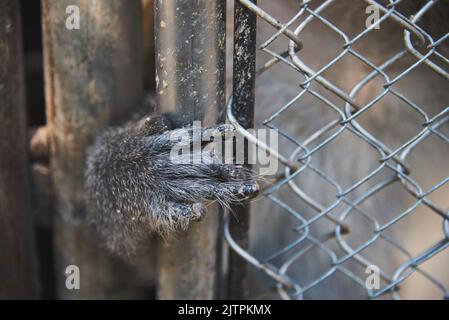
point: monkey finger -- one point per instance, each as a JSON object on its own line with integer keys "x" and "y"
{"x": 199, "y": 211}
{"x": 243, "y": 190}
{"x": 221, "y": 131}
{"x": 231, "y": 172}
{"x": 181, "y": 211}
{"x": 188, "y": 136}
{"x": 154, "y": 124}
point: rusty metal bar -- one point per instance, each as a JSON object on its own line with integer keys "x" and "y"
{"x": 243, "y": 107}
{"x": 93, "y": 77}
{"x": 190, "y": 85}
{"x": 18, "y": 275}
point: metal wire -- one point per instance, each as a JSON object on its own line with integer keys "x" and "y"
{"x": 425, "y": 50}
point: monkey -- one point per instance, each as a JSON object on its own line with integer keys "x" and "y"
{"x": 135, "y": 188}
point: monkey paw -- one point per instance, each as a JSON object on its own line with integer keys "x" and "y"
{"x": 144, "y": 177}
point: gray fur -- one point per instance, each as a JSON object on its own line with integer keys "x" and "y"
{"x": 133, "y": 188}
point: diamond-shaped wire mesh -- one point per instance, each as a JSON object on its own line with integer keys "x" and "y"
{"x": 363, "y": 181}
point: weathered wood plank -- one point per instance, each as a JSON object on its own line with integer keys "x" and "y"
{"x": 18, "y": 277}
{"x": 190, "y": 67}
{"x": 93, "y": 77}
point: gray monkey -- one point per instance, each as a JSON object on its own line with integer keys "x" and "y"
{"x": 134, "y": 188}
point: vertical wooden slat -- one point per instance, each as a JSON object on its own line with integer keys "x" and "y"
{"x": 148, "y": 45}
{"x": 243, "y": 107}
{"x": 93, "y": 77}
{"x": 190, "y": 68}
{"x": 17, "y": 253}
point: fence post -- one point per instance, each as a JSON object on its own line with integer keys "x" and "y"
{"x": 93, "y": 76}
{"x": 148, "y": 45}
{"x": 190, "y": 85}
{"x": 18, "y": 277}
{"x": 243, "y": 107}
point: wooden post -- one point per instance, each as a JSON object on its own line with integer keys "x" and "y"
{"x": 93, "y": 76}
{"x": 148, "y": 45}
{"x": 18, "y": 277}
{"x": 190, "y": 85}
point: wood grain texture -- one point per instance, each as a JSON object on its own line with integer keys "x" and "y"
{"x": 190, "y": 67}
{"x": 93, "y": 77}
{"x": 17, "y": 253}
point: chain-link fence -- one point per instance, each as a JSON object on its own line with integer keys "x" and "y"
{"x": 387, "y": 148}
